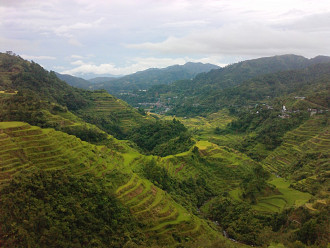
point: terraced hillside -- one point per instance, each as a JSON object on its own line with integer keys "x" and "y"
{"x": 160, "y": 216}
{"x": 286, "y": 198}
{"x": 304, "y": 155}
{"x": 194, "y": 177}
{"x": 117, "y": 111}
{"x": 229, "y": 164}
{"x": 24, "y": 146}
{"x": 40, "y": 90}
{"x": 167, "y": 223}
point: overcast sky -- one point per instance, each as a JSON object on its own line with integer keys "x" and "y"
{"x": 124, "y": 36}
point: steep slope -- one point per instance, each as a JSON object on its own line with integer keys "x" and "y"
{"x": 305, "y": 82}
{"x": 304, "y": 156}
{"x": 31, "y": 81}
{"x": 235, "y": 74}
{"x": 74, "y": 81}
{"x": 24, "y": 147}
{"x": 99, "y": 80}
{"x": 40, "y": 98}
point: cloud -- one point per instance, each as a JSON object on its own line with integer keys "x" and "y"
{"x": 67, "y": 30}
{"x": 242, "y": 39}
{"x": 184, "y": 24}
{"x": 162, "y": 31}
{"x": 310, "y": 23}
{"x": 135, "y": 64}
{"x": 71, "y": 31}
{"x": 74, "y": 56}
{"x": 31, "y": 57}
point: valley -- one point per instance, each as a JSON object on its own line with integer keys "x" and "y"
{"x": 243, "y": 150}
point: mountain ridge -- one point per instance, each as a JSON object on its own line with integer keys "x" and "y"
{"x": 142, "y": 80}
{"x": 186, "y": 94}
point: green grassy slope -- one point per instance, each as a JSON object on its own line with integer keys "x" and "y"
{"x": 304, "y": 156}
{"x": 24, "y": 146}
{"x": 32, "y": 81}
{"x": 117, "y": 115}
{"x": 164, "y": 221}
{"x": 287, "y": 198}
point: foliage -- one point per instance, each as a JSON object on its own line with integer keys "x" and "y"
{"x": 243, "y": 84}
{"x": 191, "y": 192}
{"x": 242, "y": 223}
{"x": 267, "y": 129}
{"x": 55, "y": 209}
{"x": 254, "y": 184}
{"x": 162, "y": 137}
{"x": 25, "y": 106}
{"x": 145, "y": 79}
{"x": 89, "y": 134}
{"x": 48, "y": 86}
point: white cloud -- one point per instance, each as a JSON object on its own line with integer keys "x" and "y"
{"x": 135, "y": 64}
{"x": 74, "y": 56}
{"x": 74, "y": 42}
{"x": 203, "y": 30}
{"x": 31, "y": 57}
{"x": 67, "y": 30}
{"x": 184, "y": 24}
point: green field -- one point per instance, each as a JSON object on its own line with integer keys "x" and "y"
{"x": 287, "y": 198}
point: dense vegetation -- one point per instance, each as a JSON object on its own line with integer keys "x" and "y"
{"x": 56, "y": 209}
{"x": 191, "y": 192}
{"x": 256, "y": 171}
{"x": 41, "y": 95}
{"x": 238, "y": 85}
{"x": 266, "y": 126}
{"x": 292, "y": 227}
{"x": 162, "y": 138}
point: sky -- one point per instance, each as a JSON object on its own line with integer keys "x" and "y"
{"x": 118, "y": 37}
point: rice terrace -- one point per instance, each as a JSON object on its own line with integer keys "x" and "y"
{"x": 180, "y": 124}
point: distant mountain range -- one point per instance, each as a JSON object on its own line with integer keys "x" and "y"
{"x": 140, "y": 80}
{"x": 207, "y": 91}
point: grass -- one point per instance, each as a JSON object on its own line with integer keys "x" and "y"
{"x": 12, "y": 124}
{"x": 154, "y": 208}
{"x": 46, "y": 148}
{"x": 292, "y": 196}
{"x": 287, "y": 198}
{"x": 51, "y": 150}
{"x": 272, "y": 245}
{"x": 108, "y": 107}
{"x": 235, "y": 194}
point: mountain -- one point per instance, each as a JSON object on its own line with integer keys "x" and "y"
{"x": 101, "y": 195}
{"x": 74, "y": 81}
{"x": 98, "y": 80}
{"x": 82, "y": 168}
{"x": 145, "y": 79}
{"x": 197, "y": 95}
